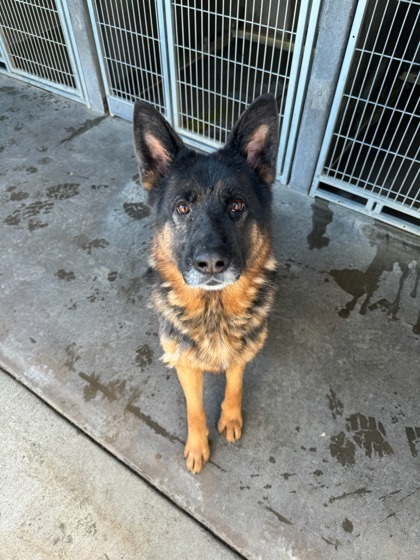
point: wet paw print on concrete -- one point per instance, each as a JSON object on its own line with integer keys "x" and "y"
{"x": 136, "y": 210}
{"x": 369, "y": 434}
{"x": 362, "y": 432}
{"x": 87, "y": 245}
{"x": 413, "y": 438}
{"x": 64, "y": 275}
{"x": 144, "y": 356}
{"x": 11, "y": 194}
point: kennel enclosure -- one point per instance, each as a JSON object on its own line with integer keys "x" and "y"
{"x": 36, "y": 45}
{"x": 47, "y": 43}
{"x": 370, "y": 157}
{"x": 201, "y": 63}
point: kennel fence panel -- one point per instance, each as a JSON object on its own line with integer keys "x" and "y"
{"x": 201, "y": 62}
{"x": 224, "y": 54}
{"x": 37, "y": 45}
{"x": 370, "y": 156}
{"x": 131, "y": 41}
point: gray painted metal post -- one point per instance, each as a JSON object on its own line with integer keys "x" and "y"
{"x": 334, "y": 25}
{"x": 86, "y": 54}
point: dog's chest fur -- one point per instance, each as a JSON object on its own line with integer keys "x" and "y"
{"x": 213, "y": 330}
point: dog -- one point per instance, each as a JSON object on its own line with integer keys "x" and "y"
{"x": 212, "y": 265}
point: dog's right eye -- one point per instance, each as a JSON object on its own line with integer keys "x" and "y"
{"x": 183, "y": 208}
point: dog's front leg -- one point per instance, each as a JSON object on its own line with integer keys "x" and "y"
{"x": 231, "y": 417}
{"x": 197, "y": 450}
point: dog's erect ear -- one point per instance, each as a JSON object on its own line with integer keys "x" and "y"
{"x": 155, "y": 141}
{"x": 256, "y": 137}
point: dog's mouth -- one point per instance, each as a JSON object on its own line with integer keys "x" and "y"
{"x": 196, "y": 279}
{"x": 214, "y": 284}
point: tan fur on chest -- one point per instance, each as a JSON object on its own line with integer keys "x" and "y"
{"x": 219, "y": 324}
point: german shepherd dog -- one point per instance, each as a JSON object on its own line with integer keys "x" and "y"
{"x": 212, "y": 264}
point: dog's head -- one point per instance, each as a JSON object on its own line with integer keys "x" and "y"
{"x": 210, "y": 211}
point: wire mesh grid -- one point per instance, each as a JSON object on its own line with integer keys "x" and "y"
{"x": 226, "y": 54}
{"x": 374, "y": 146}
{"x": 201, "y": 62}
{"x": 132, "y": 50}
{"x": 34, "y": 40}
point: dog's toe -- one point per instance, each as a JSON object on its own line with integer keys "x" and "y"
{"x": 196, "y": 454}
{"x": 232, "y": 428}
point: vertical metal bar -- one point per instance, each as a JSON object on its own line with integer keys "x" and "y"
{"x": 209, "y": 100}
{"x": 300, "y": 94}
{"x": 236, "y": 62}
{"x": 183, "y": 70}
{"x": 190, "y": 10}
{"x": 276, "y": 31}
{"x": 242, "y": 63}
{"x": 162, "y": 52}
{"x": 288, "y": 100}
{"x": 99, "y": 42}
{"x": 222, "y": 100}
{"x": 341, "y": 84}
{"x": 145, "y": 39}
{"x": 266, "y": 43}
{"x": 250, "y": 54}
{"x": 226, "y": 123}
{"x": 141, "y": 74}
{"x": 113, "y": 70}
{"x": 173, "y": 67}
{"x": 215, "y": 76}
{"x": 258, "y": 50}
{"x": 59, "y": 61}
{"x": 69, "y": 40}
{"x": 151, "y": 49}
{"x": 203, "y": 63}
{"x": 123, "y": 53}
{"x": 135, "y": 53}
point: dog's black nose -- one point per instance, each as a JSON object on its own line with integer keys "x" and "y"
{"x": 210, "y": 262}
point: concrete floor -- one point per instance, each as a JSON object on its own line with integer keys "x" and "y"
{"x": 328, "y": 465}
{"x": 62, "y": 496}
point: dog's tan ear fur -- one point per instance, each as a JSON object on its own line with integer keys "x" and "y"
{"x": 256, "y": 137}
{"x": 156, "y": 143}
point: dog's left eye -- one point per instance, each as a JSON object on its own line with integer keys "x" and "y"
{"x": 183, "y": 208}
{"x": 236, "y": 205}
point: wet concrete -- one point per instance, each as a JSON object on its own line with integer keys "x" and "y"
{"x": 328, "y": 465}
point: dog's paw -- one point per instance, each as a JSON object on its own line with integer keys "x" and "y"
{"x": 231, "y": 426}
{"x": 197, "y": 453}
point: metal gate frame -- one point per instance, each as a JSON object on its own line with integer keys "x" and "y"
{"x": 305, "y": 36}
{"x": 80, "y": 92}
{"x": 117, "y": 106}
{"x": 357, "y": 199}
{"x": 293, "y": 105}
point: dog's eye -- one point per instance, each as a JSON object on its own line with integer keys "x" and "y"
{"x": 183, "y": 208}
{"x": 237, "y": 205}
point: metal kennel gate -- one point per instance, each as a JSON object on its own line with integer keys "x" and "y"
{"x": 201, "y": 62}
{"x": 36, "y": 45}
{"x": 370, "y": 155}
